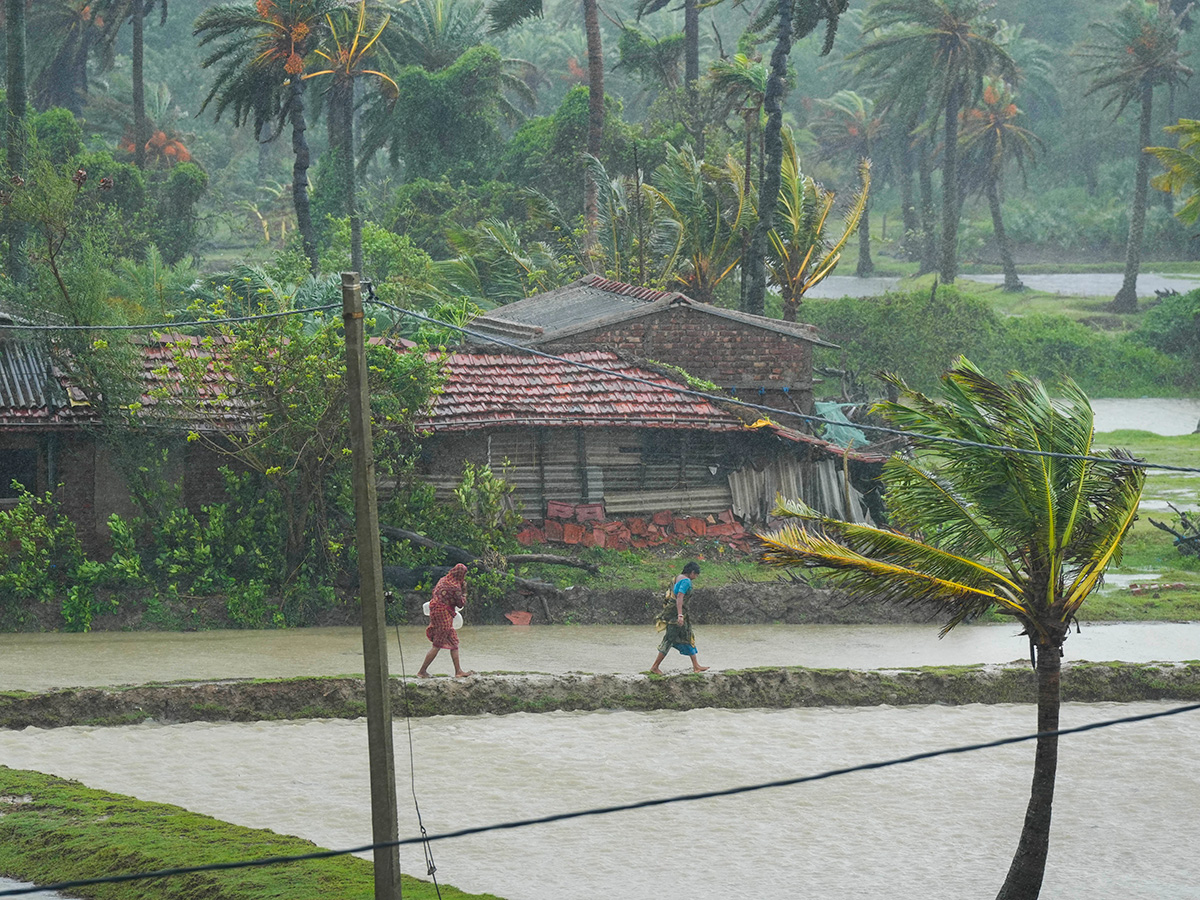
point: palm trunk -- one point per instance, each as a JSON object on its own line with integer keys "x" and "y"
{"x": 17, "y": 262}
{"x": 140, "y": 137}
{"x": 1126, "y": 299}
{"x": 691, "y": 72}
{"x": 928, "y": 223}
{"x": 341, "y": 124}
{"x": 866, "y": 267}
{"x": 754, "y": 298}
{"x": 300, "y": 163}
{"x": 1012, "y": 282}
{"x": 950, "y": 206}
{"x": 1024, "y": 880}
{"x": 908, "y": 211}
{"x": 595, "y": 138}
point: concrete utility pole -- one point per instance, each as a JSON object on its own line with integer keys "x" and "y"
{"x": 384, "y": 827}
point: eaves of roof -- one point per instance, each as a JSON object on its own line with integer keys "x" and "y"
{"x": 798, "y": 437}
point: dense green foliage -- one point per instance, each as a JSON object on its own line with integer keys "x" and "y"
{"x": 919, "y": 333}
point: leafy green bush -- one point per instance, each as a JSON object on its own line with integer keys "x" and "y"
{"x": 918, "y": 335}
{"x": 41, "y": 552}
{"x": 1173, "y": 326}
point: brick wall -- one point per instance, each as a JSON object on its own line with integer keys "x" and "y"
{"x": 727, "y": 353}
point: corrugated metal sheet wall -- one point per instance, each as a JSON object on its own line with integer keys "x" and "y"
{"x": 820, "y": 484}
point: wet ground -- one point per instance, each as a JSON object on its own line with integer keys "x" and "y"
{"x": 38, "y": 662}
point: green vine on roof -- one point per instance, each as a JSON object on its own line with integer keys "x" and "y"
{"x": 696, "y": 384}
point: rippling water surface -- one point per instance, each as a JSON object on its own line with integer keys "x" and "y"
{"x": 1125, "y": 827}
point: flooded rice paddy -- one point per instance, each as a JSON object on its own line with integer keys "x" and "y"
{"x": 1125, "y": 827}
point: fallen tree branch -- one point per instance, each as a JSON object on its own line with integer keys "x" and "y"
{"x": 554, "y": 560}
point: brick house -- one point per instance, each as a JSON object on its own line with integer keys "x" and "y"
{"x": 757, "y": 359}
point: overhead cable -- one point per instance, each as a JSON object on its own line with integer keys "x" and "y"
{"x": 602, "y": 810}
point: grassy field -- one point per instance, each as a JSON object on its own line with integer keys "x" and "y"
{"x": 53, "y": 830}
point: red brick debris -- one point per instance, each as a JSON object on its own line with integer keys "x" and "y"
{"x": 585, "y": 525}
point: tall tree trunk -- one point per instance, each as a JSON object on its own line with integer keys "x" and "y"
{"x": 950, "y": 187}
{"x": 1024, "y": 880}
{"x": 929, "y": 242}
{"x": 140, "y": 135}
{"x": 754, "y": 267}
{"x": 595, "y": 138}
{"x": 1012, "y": 282}
{"x": 691, "y": 72}
{"x": 300, "y": 163}
{"x": 1126, "y": 299}
{"x": 16, "y": 82}
{"x": 866, "y": 267}
{"x": 908, "y": 207}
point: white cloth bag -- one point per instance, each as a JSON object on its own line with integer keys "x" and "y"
{"x": 457, "y": 623}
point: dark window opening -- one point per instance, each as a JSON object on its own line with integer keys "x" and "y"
{"x": 20, "y": 466}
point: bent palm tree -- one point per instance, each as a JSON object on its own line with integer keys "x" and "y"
{"x": 848, "y": 127}
{"x": 802, "y": 255}
{"x": 944, "y": 48}
{"x": 990, "y": 140}
{"x": 1130, "y": 58}
{"x": 1019, "y": 531}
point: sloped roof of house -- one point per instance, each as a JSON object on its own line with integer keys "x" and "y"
{"x": 595, "y": 302}
{"x": 32, "y": 391}
{"x": 517, "y": 389}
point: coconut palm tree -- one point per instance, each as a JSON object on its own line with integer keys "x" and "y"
{"x": 802, "y": 254}
{"x": 742, "y": 82}
{"x": 691, "y": 62}
{"x": 351, "y": 47}
{"x": 17, "y": 103}
{"x": 115, "y": 14}
{"x": 990, "y": 141}
{"x": 941, "y": 48}
{"x": 846, "y": 126}
{"x": 260, "y": 60}
{"x": 1019, "y": 531}
{"x": 794, "y": 19}
{"x": 639, "y": 237}
{"x": 507, "y": 14}
{"x": 64, "y": 33}
{"x": 1132, "y": 55}
{"x": 713, "y": 210}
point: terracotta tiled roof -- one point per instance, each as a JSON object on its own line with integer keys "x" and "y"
{"x": 491, "y": 390}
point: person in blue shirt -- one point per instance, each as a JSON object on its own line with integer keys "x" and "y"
{"x": 675, "y": 623}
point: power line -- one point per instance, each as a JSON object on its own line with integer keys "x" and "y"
{"x": 734, "y": 401}
{"x": 165, "y": 326}
{"x": 602, "y": 810}
{"x": 771, "y": 409}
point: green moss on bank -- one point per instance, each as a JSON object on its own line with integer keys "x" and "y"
{"x": 53, "y": 830}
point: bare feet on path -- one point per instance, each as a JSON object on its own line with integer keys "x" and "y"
{"x": 463, "y": 674}
{"x": 423, "y": 675}
{"x": 700, "y": 668}
{"x": 656, "y": 671}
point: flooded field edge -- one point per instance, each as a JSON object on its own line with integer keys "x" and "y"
{"x": 503, "y": 693}
{"x": 40, "y": 808}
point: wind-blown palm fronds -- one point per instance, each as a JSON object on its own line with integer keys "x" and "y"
{"x": 1183, "y": 167}
{"x": 1026, "y": 531}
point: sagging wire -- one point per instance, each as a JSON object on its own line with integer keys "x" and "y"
{"x": 603, "y": 810}
{"x": 430, "y": 866}
{"x": 732, "y": 401}
{"x": 166, "y": 326}
{"x": 771, "y": 410}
